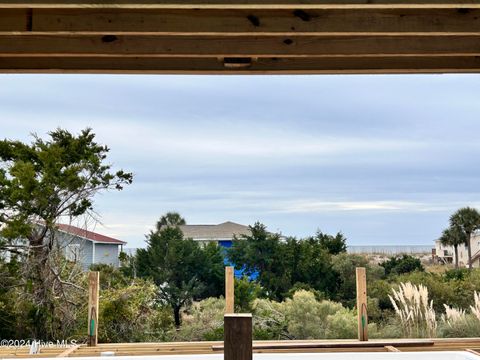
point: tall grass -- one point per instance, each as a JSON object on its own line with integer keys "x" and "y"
{"x": 415, "y": 312}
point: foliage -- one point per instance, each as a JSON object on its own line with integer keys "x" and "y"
{"x": 40, "y": 183}
{"x": 111, "y": 277}
{"x": 308, "y": 318}
{"x": 282, "y": 264}
{"x": 458, "y": 323}
{"x": 170, "y": 219}
{"x": 397, "y": 265}
{"x": 182, "y": 270}
{"x": 344, "y": 266}
{"x": 442, "y": 290}
{"x": 415, "y": 311}
{"x": 246, "y": 292}
{"x": 468, "y": 220}
{"x": 131, "y": 314}
{"x": 203, "y": 321}
{"x": 333, "y": 244}
{"x": 454, "y": 236}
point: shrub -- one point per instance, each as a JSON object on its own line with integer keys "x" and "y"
{"x": 203, "y": 321}
{"x": 303, "y": 317}
{"x": 414, "y": 310}
{"x": 344, "y": 265}
{"x": 131, "y": 314}
{"x": 401, "y": 265}
{"x": 306, "y": 317}
{"x": 269, "y": 321}
{"x": 342, "y": 325}
{"x": 246, "y": 292}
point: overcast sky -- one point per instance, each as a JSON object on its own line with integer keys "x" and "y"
{"x": 384, "y": 159}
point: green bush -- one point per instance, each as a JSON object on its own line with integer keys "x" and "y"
{"x": 397, "y": 265}
{"x": 306, "y": 317}
{"x": 203, "y": 321}
{"x": 131, "y": 314}
{"x": 246, "y": 292}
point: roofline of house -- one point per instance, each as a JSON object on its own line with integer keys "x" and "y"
{"x": 210, "y": 239}
{"x": 120, "y": 242}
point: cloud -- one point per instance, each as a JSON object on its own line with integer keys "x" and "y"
{"x": 362, "y": 154}
{"x": 312, "y": 206}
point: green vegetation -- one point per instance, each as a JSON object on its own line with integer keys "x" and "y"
{"x": 397, "y": 265}
{"x": 41, "y": 183}
{"x": 466, "y": 220}
{"x": 172, "y": 290}
{"x": 181, "y": 268}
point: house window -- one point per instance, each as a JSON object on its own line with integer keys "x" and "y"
{"x": 73, "y": 252}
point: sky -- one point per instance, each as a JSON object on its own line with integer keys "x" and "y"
{"x": 383, "y": 159}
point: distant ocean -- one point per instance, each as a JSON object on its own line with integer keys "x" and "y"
{"x": 391, "y": 249}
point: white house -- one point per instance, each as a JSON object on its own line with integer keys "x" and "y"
{"x": 446, "y": 254}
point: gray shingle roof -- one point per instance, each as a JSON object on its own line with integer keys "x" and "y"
{"x": 224, "y": 231}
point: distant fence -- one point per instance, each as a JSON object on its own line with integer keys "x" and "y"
{"x": 391, "y": 249}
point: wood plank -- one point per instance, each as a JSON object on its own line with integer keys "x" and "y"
{"x": 391, "y": 348}
{"x": 14, "y": 20}
{"x": 240, "y": 21}
{"x": 350, "y": 344}
{"x": 241, "y": 46}
{"x": 229, "y": 290}
{"x": 246, "y": 4}
{"x": 121, "y": 65}
{"x": 93, "y": 309}
{"x": 69, "y": 351}
{"x": 362, "y": 316}
{"x": 238, "y": 337}
{"x": 473, "y": 352}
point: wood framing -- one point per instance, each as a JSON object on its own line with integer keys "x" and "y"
{"x": 362, "y": 314}
{"x": 238, "y": 337}
{"x": 229, "y": 290}
{"x": 93, "y": 297}
{"x": 240, "y": 36}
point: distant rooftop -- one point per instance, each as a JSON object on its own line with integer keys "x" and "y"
{"x": 89, "y": 235}
{"x": 223, "y": 231}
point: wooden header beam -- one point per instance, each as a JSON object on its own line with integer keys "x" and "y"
{"x": 240, "y": 37}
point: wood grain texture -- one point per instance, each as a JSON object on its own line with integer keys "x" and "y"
{"x": 229, "y": 290}
{"x": 145, "y": 65}
{"x": 93, "y": 298}
{"x": 242, "y": 46}
{"x": 238, "y": 337}
{"x": 240, "y": 21}
{"x": 362, "y": 316}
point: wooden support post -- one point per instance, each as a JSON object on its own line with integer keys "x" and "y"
{"x": 237, "y": 337}
{"x": 93, "y": 293}
{"x": 362, "y": 304}
{"x": 229, "y": 290}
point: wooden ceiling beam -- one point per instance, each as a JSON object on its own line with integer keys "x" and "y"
{"x": 242, "y": 4}
{"x": 240, "y": 36}
{"x": 378, "y": 65}
{"x": 238, "y": 46}
{"x": 241, "y": 21}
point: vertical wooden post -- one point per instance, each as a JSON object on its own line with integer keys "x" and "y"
{"x": 93, "y": 293}
{"x": 229, "y": 290}
{"x": 237, "y": 343}
{"x": 362, "y": 304}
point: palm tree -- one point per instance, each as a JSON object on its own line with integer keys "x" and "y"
{"x": 468, "y": 220}
{"x": 453, "y": 236}
{"x": 170, "y": 219}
